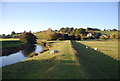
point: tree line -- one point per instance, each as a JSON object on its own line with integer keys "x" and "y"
{"x": 65, "y": 34}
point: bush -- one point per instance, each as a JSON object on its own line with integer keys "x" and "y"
{"x": 84, "y": 38}
{"x": 78, "y": 37}
{"x": 113, "y": 35}
{"x": 28, "y": 38}
{"x": 102, "y": 37}
{"x": 97, "y": 35}
{"x": 55, "y": 36}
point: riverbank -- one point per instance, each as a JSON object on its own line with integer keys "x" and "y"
{"x": 13, "y": 46}
{"x": 46, "y": 65}
{"x": 11, "y": 43}
{"x": 9, "y": 46}
{"x": 73, "y": 61}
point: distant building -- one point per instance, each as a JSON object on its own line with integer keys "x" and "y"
{"x": 106, "y": 35}
{"x": 90, "y": 34}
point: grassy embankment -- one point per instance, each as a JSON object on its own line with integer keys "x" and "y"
{"x": 8, "y": 46}
{"x": 80, "y": 63}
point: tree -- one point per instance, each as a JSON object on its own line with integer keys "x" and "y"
{"x": 8, "y": 36}
{"x": 114, "y": 29}
{"x": 24, "y": 31}
{"x": 52, "y": 36}
{"x": 97, "y": 35}
{"x": 88, "y": 28}
{"x": 73, "y": 32}
{"x": 3, "y": 36}
{"x": 28, "y": 38}
{"x": 62, "y": 29}
{"x": 71, "y": 37}
{"x": 113, "y": 35}
{"x": 55, "y": 36}
{"x": 104, "y": 30}
{"x": 102, "y": 37}
{"x": 80, "y": 31}
{"x": 78, "y": 37}
{"x": 13, "y": 33}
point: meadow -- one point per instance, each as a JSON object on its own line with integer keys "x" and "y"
{"x": 108, "y": 47}
{"x": 73, "y": 61}
{"x": 10, "y": 43}
{"x": 9, "y": 39}
{"x": 108, "y": 32}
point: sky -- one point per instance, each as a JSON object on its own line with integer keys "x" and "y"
{"x": 38, "y": 16}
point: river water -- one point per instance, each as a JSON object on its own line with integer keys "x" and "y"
{"x": 20, "y": 55}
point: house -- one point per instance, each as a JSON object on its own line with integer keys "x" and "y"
{"x": 106, "y": 36}
{"x": 90, "y": 34}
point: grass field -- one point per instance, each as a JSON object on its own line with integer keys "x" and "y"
{"x": 96, "y": 63}
{"x": 45, "y": 66}
{"x": 10, "y": 43}
{"x": 108, "y": 32}
{"x": 9, "y": 39}
{"x": 73, "y": 61}
{"x": 109, "y": 47}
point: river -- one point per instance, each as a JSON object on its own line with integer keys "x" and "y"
{"x": 20, "y": 55}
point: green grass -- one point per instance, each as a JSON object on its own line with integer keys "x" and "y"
{"x": 42, "y": 35}
{"x": 96, "y": 65}
{"x": 10, "y": 43}
{"x": 45, "y": 66}
{"x": 107, "y": 32}
{"x": 9, "y": 39}
{"x": 108, "y": 47}
{"x": 73, "y": 61}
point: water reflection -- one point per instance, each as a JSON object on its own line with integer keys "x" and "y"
{"x": 21, "y": 54}
{"x": 29, "y": 49}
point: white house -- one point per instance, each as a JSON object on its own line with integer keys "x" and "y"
{"x": 90, "y": 35}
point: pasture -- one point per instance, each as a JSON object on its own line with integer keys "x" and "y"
{"x": 108, "y": 32}
{"x": 73, "y": 61}
{"x": 9, "y": 39}
{"x": 108, "y": 47}
{"x": 10, "y": 43}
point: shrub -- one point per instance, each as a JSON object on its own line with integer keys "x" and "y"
{"x": 97, "y": 35}
{"x": 84, "y": 38}
{"x": 102, "y": 37}
{"x": 117, "y": 36}
{"x": 55, "y": 36}
{"x": 28, "y": 38}
{"x": 78, "y": 37}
